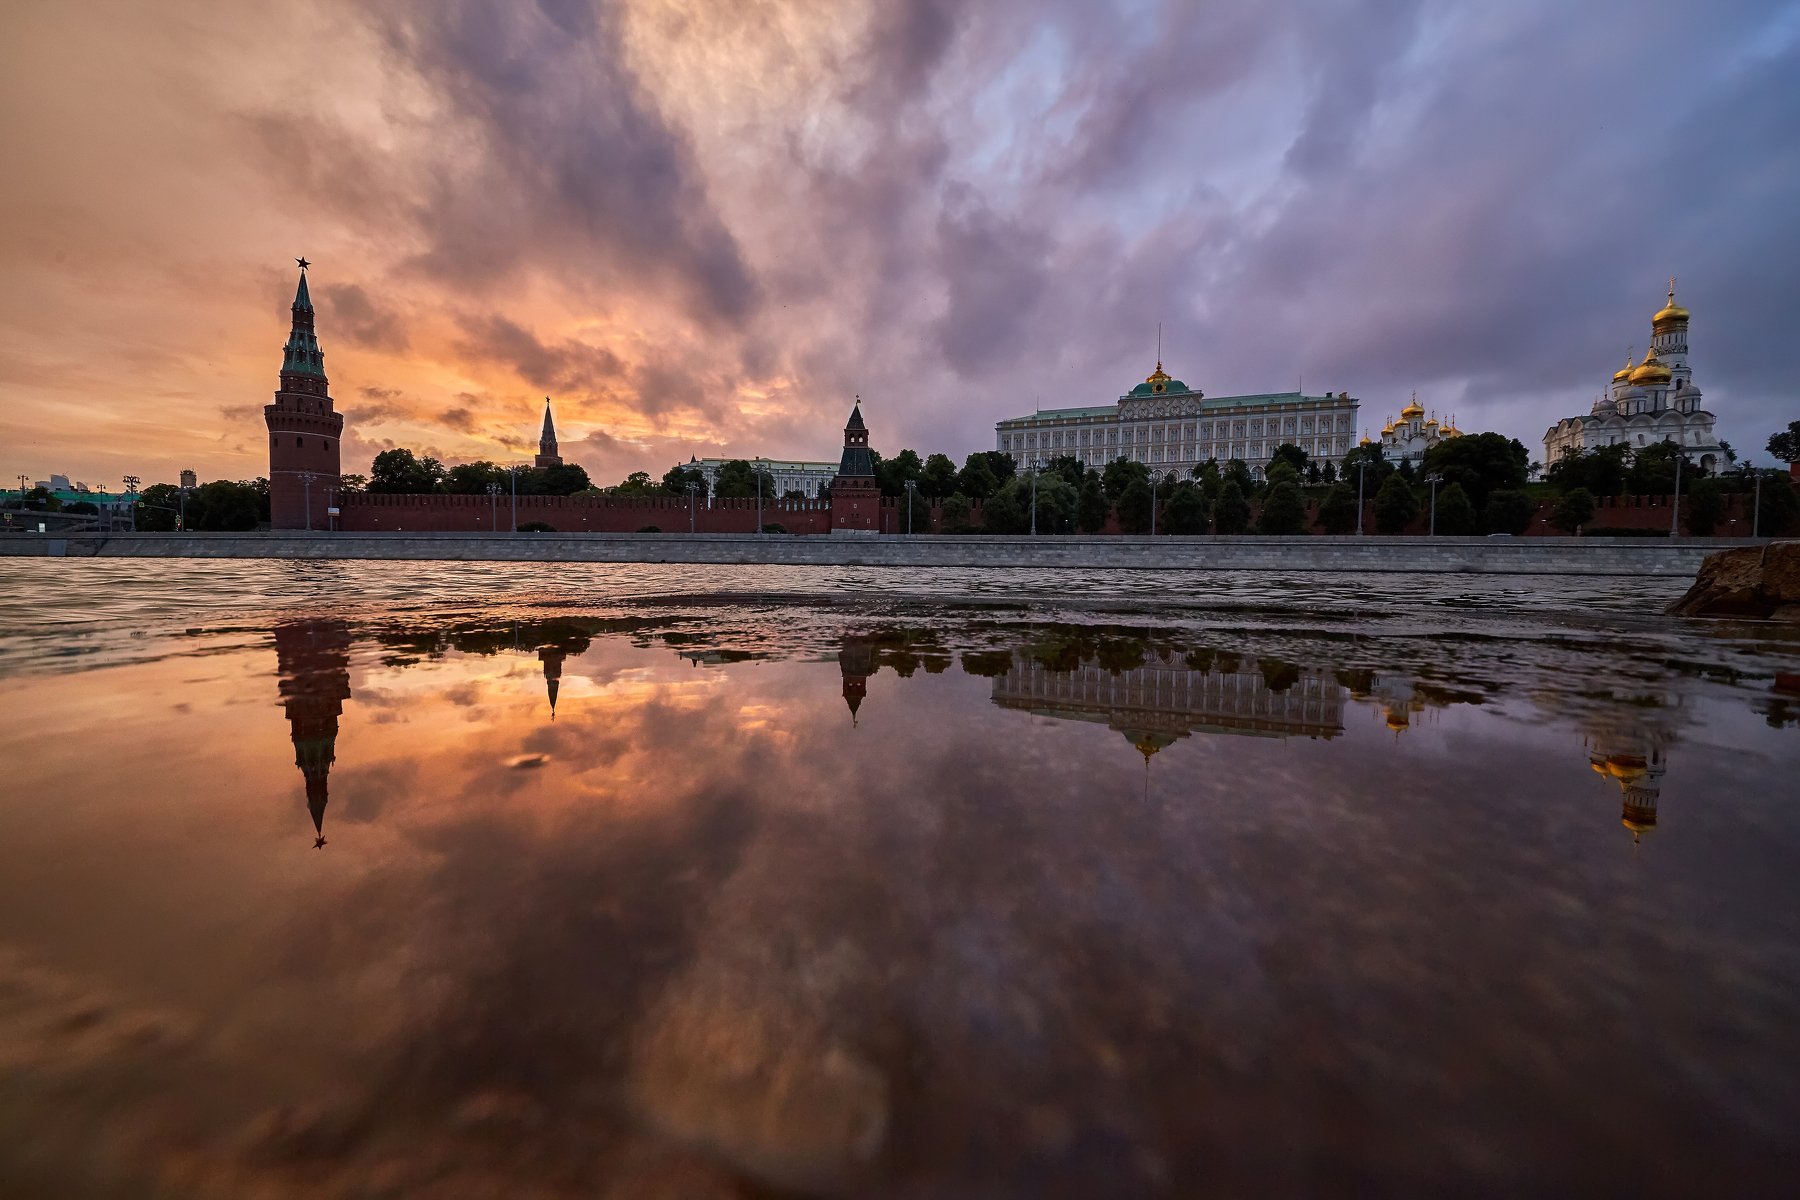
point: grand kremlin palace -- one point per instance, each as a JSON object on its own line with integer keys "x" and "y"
{"x": 1163, "y": 422}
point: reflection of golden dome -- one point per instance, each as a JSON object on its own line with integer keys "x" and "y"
{"x": 1412, "y": 411}
{"x": 1622, "y": 767}
{"x": 1650, "y": 371}
{"x": 1397, "y": 718}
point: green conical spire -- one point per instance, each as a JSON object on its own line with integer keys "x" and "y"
{"x": 301, "y": 355}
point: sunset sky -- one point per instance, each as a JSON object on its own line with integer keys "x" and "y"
{"x": 702, "y": 227}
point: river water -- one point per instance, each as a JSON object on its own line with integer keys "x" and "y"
{"x": 442, "y": 879}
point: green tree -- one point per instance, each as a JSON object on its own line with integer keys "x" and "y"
{"x": 1280, "y": 471}
{"x": 1057, "y": 502}
{"x": 1328, "y": 473}
{"x": 956, "y": 513}
{"x": 1455, "y": 511}
{"x": 1600, "y": 470}
{"x": 892, "y": 473}
{"x": 1293, "y": 456}
{"x": 1509, "y": 512}
{"x": 1118, "y": 474}
{"x": 1133, "y": 506}
{"x": 1704, "y": 507}
{"x": 1375, "y": 468}
{"x": 223, "y": 505}
{"x": 977, "y": 480}
{"x": 1283, "y": 511}
{"x": 1186, "y": 510}
{"x": 1395, "y": 505}
{"x": 1008, "y": 510}
{"x": 1573, "y": 510}
{"x": 472, "y": 478}
{"x": 1652, "y": 470}
{"x": 400, "y": 472}
{"x": 351, "y": 484}
{"x": 676, "y": 480}
{"x": 157, "y": 507}
{"x": 1068, "y": 468}
{"x": 939, "y": 477}
{"x": 638, "y": 483}
{"x": 1210, "y": 479}
{"x": 1337, "y": 512}
{"x": 1779, "y": 511}
{"x": 1786, "y": 444}
{"x": 739, "y": 480}
{"x": 1481, "y": 463}
{"x": 1238, "y": 471}
{"x": 566, "y": 479}
{"x": 915, "y": 511}
{"x": 1091, "y": 509}
{"x": 1231, "y": 514}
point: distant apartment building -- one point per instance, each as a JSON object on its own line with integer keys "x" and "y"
{"x": 1168, "y": 426}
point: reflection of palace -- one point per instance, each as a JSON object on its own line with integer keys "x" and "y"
{"x": 1165, "y": 699}
{"x": 313, "y": 657}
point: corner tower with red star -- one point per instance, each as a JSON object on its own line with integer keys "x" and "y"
{"x": 304, "y": 428}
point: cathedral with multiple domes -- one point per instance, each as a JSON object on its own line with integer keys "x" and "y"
{"x": 1647, "y": 402}
{"x": 1407, "y": 437}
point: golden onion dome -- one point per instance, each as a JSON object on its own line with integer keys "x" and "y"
{"x": 1670, "y": 312}
{"x": 1366, "y": 441}
{"x": 1624, "y": 372}
{"x": 1432, "y": 424}
{"x": 1650, "y": 371}
{"x": 1412, "y": 411}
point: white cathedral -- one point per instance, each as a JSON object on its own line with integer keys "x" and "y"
{"x": 1647, "y": 402}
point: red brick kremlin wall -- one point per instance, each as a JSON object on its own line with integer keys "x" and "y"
{"x": 374, "y": 512}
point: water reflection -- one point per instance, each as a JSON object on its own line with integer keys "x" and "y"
{"x": 313, "y": 660}
{"x": 728, "y": 938}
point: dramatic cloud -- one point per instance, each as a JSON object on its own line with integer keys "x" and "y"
{"x": 702, "y": 228}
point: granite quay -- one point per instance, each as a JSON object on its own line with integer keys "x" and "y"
{"x": 1491, "y": 555}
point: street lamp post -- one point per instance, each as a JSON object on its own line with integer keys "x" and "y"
{"x": 1675, "y": 510}
{"x": 759, "y": 520}
{"x": 1153, "y": 506}
{"x": 184, "y": 500}
{"x": 493, "y": 491}
{"x": 1036, "y": 466}
{"x": 692, "y": 487}
{"x": 514, "y": 472}
{"x": 1756, "y": 509}
{"x": 910, "y": 484}
{"x": 306, "y": 478}
{"x": 130, "y": 483}
{"x": 1433, "y": 479}
{"x": 1361, "y": 466}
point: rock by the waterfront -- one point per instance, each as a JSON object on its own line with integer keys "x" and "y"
{"x": 1749, "y": 581}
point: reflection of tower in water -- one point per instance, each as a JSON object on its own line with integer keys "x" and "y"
{"x": 856, "y": 661}
{"x": 552, "y": 658}
{"x": 313, "y": 657}
{"x": 1636, "y": 762}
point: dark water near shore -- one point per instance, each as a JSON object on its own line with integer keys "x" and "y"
{"x": 523, "y": 880}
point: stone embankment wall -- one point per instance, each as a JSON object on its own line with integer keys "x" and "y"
{"x": 1519, "y": 556}
{"x": 376, "y": 513}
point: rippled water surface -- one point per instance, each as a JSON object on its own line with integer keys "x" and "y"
{"x": 539, "y": 880}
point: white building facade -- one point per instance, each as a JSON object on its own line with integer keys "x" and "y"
{"x": 1647, "y": 402}
{"x": 791, "y": 475}
{"x": 1169, "y": 426}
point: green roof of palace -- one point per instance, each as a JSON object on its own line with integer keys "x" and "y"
{"x": 1258, "y": 399}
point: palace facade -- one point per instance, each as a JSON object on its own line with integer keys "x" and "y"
{"x": 1647, "y": 402}
{"x": 1167, "y": 425}
{"x": 791, "y": 475}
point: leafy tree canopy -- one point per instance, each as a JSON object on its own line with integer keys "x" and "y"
{"x": 400, "y": 472}
{"x": 1480, "y": 463}
{"x": 1786, "y": 444}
